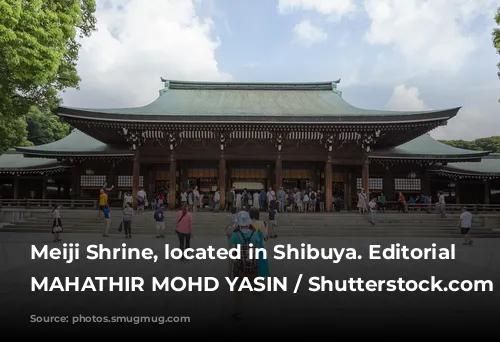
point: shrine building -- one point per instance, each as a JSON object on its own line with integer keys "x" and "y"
{"x": 250, "y": 135}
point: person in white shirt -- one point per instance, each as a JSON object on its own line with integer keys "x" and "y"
{"x": 184, "y": 197}
{"x": 373, "y": 210}
{"x": 196, "y": 196}
{"x": 442, "y": 205}
{"x": 141, "y": 200}
{"x": 271, "y": 196}
{"x": 238, "y": 201}
{"x": 127, "y": 198}
{"x": 465, "y": 224}
{"x": 305, "y": 202}
{"x": 298, "y": 201}
{"x": 217, "y": 201}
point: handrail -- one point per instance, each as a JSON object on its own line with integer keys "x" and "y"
{"x": 450, "y": 208}
{"x": 47, "y": 203}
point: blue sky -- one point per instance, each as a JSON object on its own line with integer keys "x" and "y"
{"x": 390, "y": 54}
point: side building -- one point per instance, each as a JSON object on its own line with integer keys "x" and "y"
{"x": 254, "y": 136}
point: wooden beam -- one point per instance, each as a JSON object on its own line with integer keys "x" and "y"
{"x": 136, "y": 169}
{"x": 366, "y": 178}
{"x": 278, "y": 171}
{"x": 222, "y": 180}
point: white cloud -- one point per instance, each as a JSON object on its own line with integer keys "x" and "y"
{"x": 333, "y": 9}
{"x": 307, "y": 34}
{"x": 430, "y": 34}
{"x": 406, "y": 99}
{"x": 136, "y": 43}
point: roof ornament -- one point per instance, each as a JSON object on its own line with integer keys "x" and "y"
{"x": 172, "y": 141}
{"x": 133, "y": 138}
{"x": 334, "y": 87}
{"x": 279, "y": 142}
{"x": 329, "y": 143}
{"x": 222, "y": 141}
{"x": 166, "y": 85}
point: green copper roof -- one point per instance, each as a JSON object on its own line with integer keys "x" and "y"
{"x": 76, "y": 143}
{"x": 425, "y": 147}
{"x": 195, "y": 99}
{"x": 14, "y": 161}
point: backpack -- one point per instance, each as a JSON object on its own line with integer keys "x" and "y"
{"x": 157, "y": 215}
{"x": 245, "y": 265}
{"x": 313, "y": 196}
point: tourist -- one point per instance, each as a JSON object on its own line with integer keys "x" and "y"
{"x": 442, "y": 204}
{"x": 159, "y": 217}
{"x": 230, "y": 198}
{"x": 261, "y": 230}
{"x": 190, "y": 200}
{"x": 154, "y": 201}
{"x": 184, "y": 229}
{"x": 127, "y": 198}
{"x": 249, "y": 200}
{"x": 231, "y": 223}
{"x": 320, "y": 198}
{"x": 196, "y": 197}
{"x": 107, "y": 189}
{"x": 381, "y": 203}
{"x": 402, "y": 203}
{"x": 244, "y": 199}
{"x": 411, "y": 203}
{"x": 281, "y": 200}
{"x": 160, "y": 198}
{"x": 273, "y": 220}
{"x": 141, "y": 200}
{"x": 262, "y": 200}
{"x": 57, "y": 227}
{"x": 245, "y": 267}
{"x": 298, "y": 201}
{"x": 201, "y": 200}
{"x": 271, "y": 196}
{"x": 465, "y": 224}
{"x": 256, "y": 201}
{"x": 238, "y": 201}
{"x": 184, "y": 197}
{"x": 128, "y": 212}
{"x": 312, "y": 199}
{"x": 216, "y": 200}
{"x": 103, "y": 201}
{"x": 373, "y": 210}
{"x": 305, "y": 202}
{"x": 291, "y": 202}
{"x": 107, "y": 220}
{"x": 362, "y": 202}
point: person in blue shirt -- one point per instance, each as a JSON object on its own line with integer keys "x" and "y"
{"x": 107, "y": 220}
{"x": 262, "y": 200}
{"x": 159, "y": 217}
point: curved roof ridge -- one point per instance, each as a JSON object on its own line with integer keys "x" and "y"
{"x": 186, "y": 85}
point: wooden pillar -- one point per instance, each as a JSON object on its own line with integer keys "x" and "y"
{"x": 457, "y": 191}
{"x": 366, "y": 177}
{"x": 426, "y": 183}
{"x": 222, "y": 181}
{"x": 328, "y": 185}
{"x": 172, "y": 186}
{"x": 136, "y": 170}
{"x": 16, "y": 187}
{"x": 486, "y": 191}
{"x": 150, "y": 180}
{"x": 278, "y": 170}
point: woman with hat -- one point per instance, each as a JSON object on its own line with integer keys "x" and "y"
{"x": 246, "y": 267}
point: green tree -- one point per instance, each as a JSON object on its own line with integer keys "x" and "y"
{"x": 496, "y": 36}
{"x": 491, "y": 144}
{"x": 39, "y": 53}
{"x": 13, "y": 132}
{"x": 44, "y": 127}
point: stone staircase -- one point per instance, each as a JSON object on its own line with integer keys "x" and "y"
{"x": 290, "y": 224}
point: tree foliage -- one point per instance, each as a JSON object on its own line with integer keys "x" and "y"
{"x": 491, "y": 144}
{"x": 44, "y": 127}
{"x": 39, "y": 53}
{"x": 496, "y": 36}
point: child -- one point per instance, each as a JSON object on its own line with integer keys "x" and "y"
{"x": 107, "y": 220}
{"x": 273, "y": 222}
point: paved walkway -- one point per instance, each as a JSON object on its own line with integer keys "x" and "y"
{"x": 480, "y": 261}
